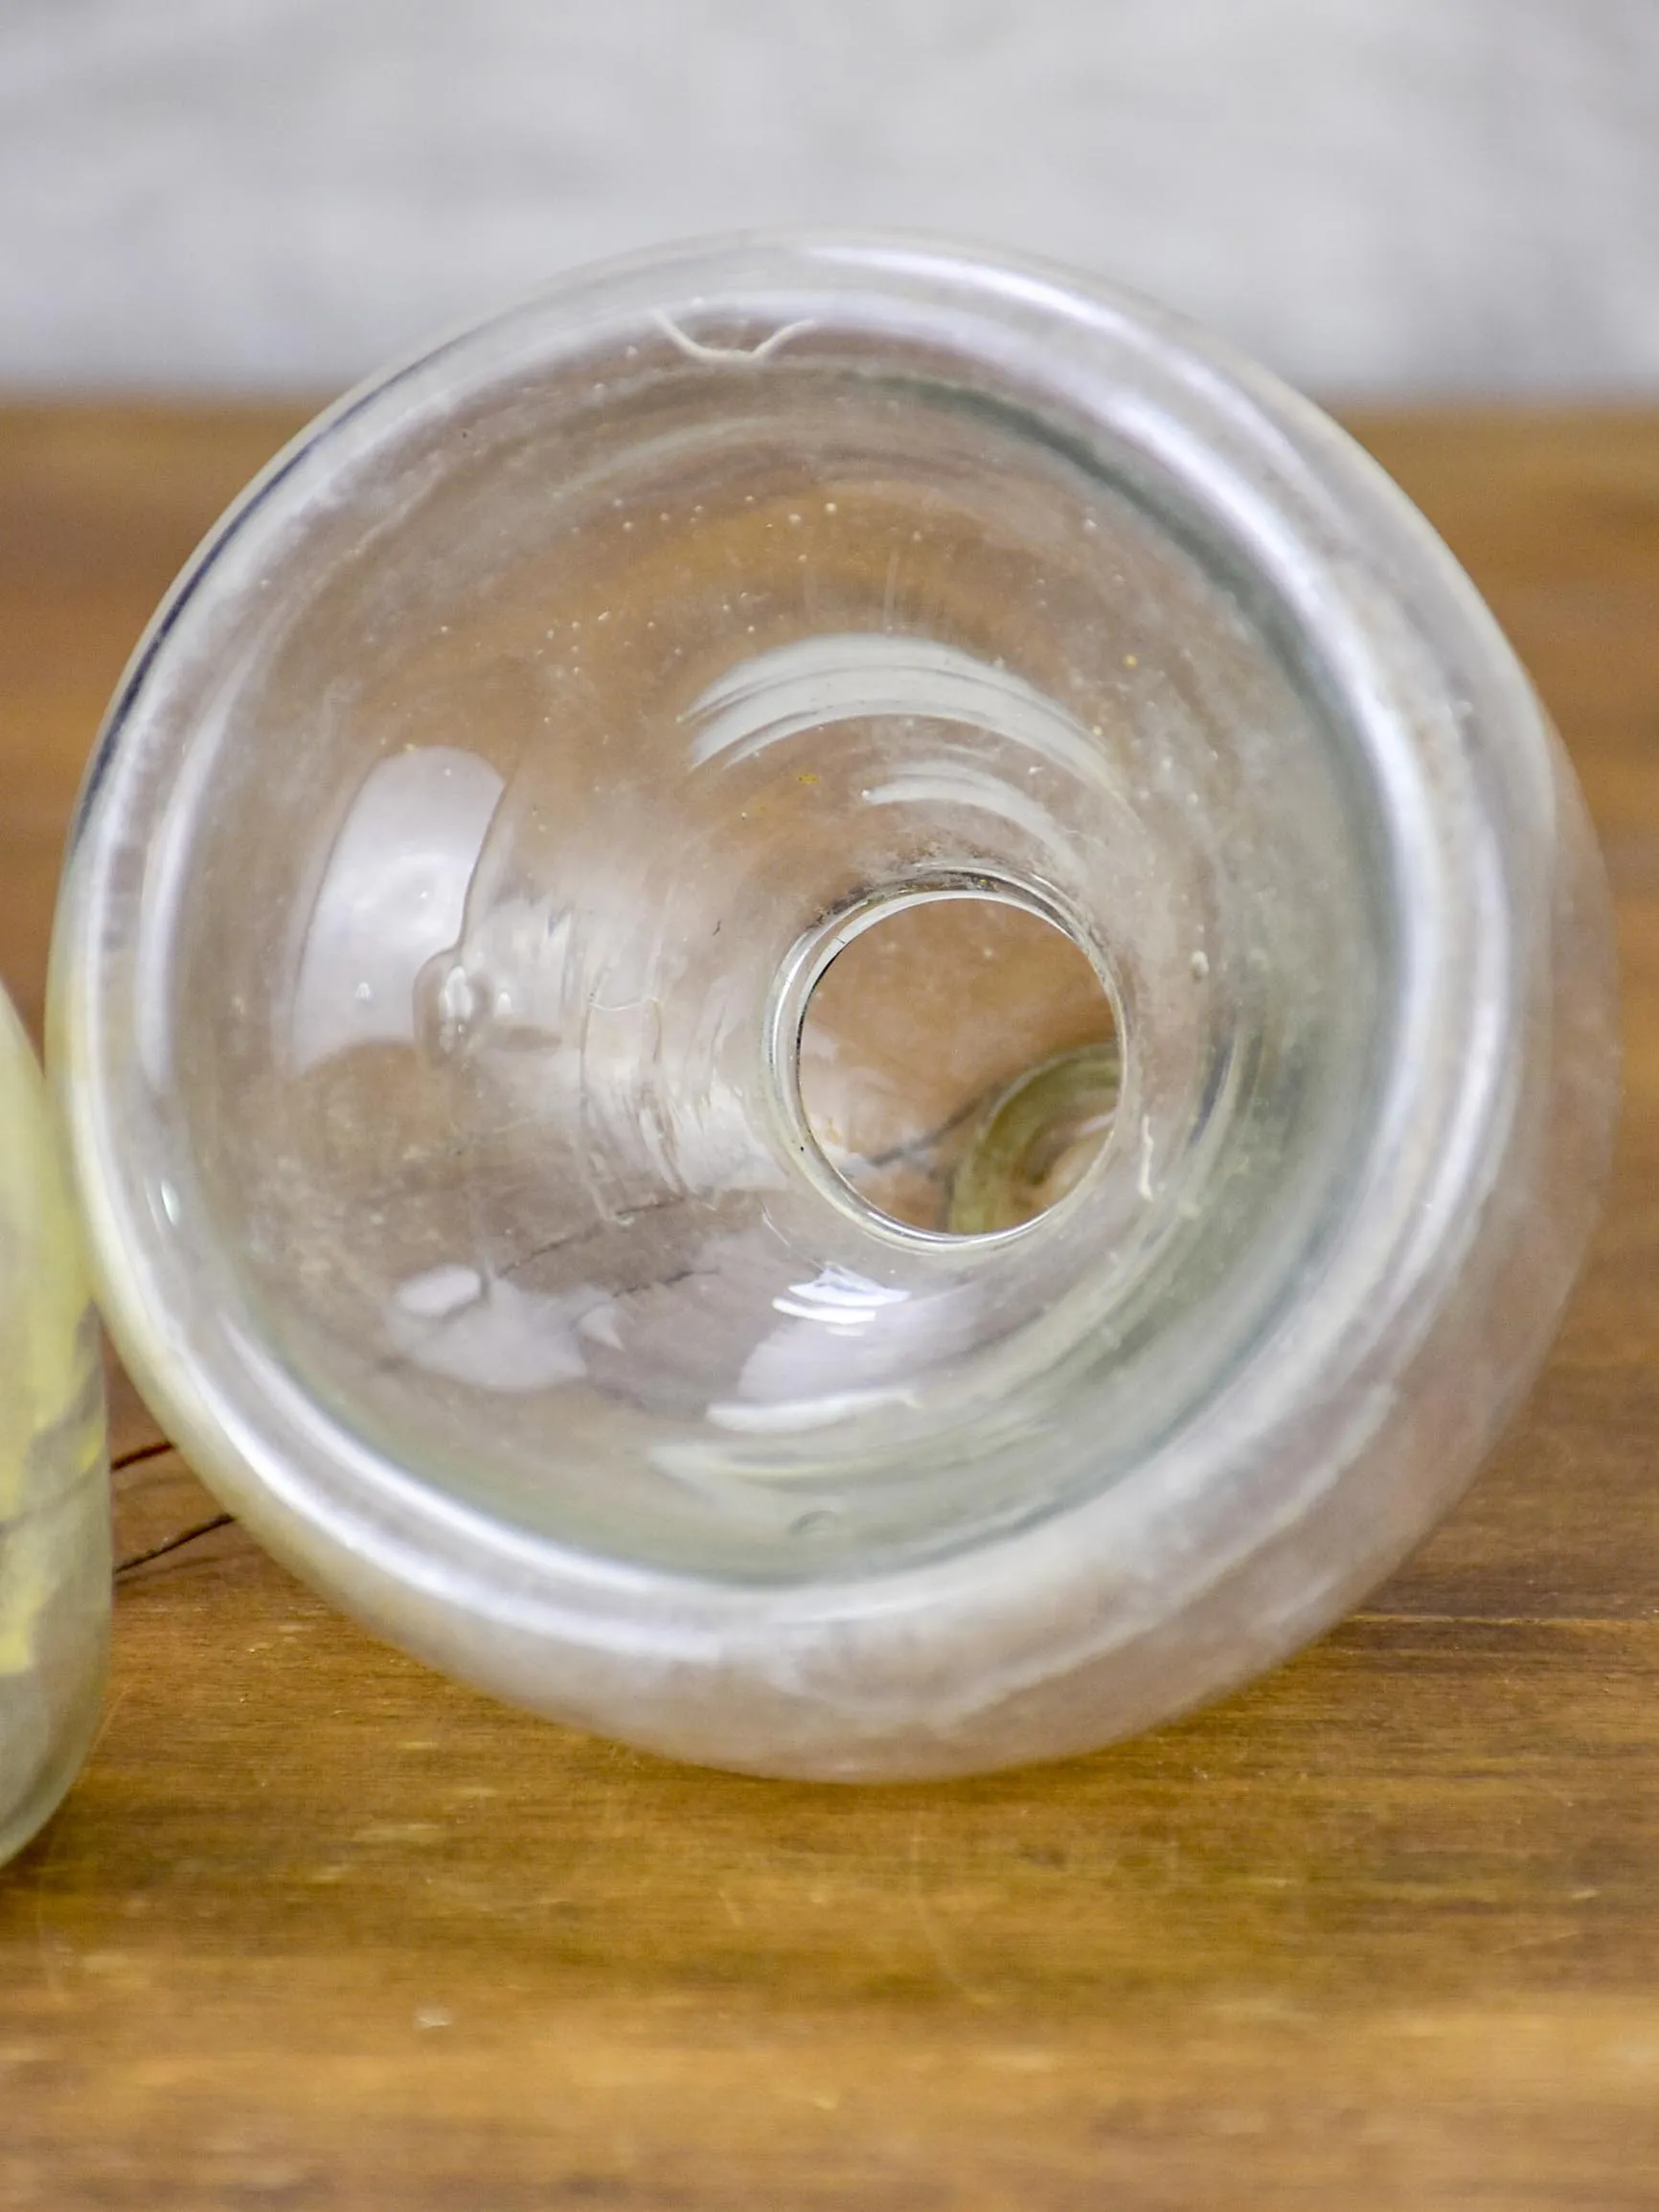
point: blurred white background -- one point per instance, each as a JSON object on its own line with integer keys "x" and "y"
{"x": 1380, "y": 197}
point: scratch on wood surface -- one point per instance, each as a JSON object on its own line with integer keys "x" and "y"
{"x": 139, "y": 1453}
{"x": 172, "y": 1543}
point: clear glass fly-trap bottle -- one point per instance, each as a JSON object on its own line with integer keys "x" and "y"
{"x": 832, "y": 1003}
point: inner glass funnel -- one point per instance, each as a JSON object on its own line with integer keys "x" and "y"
{"x": 767, "y": 957}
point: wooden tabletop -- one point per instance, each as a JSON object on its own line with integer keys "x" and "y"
{"x": 319, "y": 1930}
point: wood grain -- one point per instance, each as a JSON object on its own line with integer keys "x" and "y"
{"x": 319, "y": 1930}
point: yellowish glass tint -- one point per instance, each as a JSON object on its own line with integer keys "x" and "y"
{"x": 54, "y": 1484}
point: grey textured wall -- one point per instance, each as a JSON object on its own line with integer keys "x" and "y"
{"x": 1379, "y": 195}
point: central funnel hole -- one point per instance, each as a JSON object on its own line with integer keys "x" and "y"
{"x": 959, "y": 1062}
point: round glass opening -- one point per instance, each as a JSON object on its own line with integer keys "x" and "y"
{"x": 957, "y": 1062}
